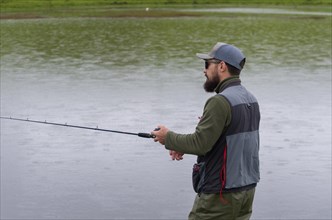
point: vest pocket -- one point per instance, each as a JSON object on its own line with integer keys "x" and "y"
{"x": 198, "y": 176}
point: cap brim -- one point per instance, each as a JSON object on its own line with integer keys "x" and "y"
{"x": 203, "y": 56}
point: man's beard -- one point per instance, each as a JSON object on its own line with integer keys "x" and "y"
{"x": 211, "y": 84}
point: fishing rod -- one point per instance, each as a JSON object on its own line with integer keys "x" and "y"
{"x": 143, "y": 135}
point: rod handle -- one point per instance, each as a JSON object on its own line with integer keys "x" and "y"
{"x": 147, "y": 135}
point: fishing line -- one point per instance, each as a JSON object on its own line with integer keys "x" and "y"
{"x": 143, "y": 135}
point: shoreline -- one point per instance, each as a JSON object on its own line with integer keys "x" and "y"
{"x": 143, "y": 11}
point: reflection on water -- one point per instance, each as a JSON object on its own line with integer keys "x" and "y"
{"x": 131, "y": 75}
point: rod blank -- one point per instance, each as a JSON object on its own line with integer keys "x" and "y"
{"x": 144, "y": 135}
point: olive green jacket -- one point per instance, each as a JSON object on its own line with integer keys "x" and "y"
{"x": 216, "y": 118}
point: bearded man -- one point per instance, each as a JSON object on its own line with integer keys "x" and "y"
{"x": 226, "y": 141}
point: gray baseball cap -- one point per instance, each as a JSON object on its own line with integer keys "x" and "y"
{"x": 225, "y": 52}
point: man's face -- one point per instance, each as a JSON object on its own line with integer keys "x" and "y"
{"x": 212, "y": 78}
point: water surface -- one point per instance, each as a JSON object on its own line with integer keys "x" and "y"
{"x": 133, "y": 74}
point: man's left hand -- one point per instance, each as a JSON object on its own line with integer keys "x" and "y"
{"x": 160, "y": 135}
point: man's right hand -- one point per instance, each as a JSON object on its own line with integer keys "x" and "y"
{"x": 176, "y": 155}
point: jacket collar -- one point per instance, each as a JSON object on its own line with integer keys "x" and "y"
{"x": 233, "y": 80}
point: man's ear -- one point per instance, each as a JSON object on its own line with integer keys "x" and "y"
{"x": 223, "y": 66}
{"x": 223, "y": 71}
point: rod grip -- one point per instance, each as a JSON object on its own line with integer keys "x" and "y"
{"x": 145, "y": 135}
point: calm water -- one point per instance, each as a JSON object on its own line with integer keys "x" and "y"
{"x": 133, "y": 74}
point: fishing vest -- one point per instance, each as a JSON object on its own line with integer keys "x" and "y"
{"x": 233, "y": 162}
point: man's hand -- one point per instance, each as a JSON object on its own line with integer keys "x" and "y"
{"x": 176, "y": 155}
{"x": 160, "y": 135}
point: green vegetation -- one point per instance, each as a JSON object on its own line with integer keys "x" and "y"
{"x": 28, "y": 4}
{"x": 48, "y": 4}
{"x": 106, "y": 8}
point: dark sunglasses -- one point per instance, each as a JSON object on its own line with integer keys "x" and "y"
{"x": 208, "y": 62}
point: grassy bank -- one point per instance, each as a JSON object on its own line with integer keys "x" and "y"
{"x": 135, "y": 8}
{"x": 35, "y": 4}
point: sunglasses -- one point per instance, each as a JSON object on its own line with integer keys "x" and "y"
{"x": 208, "y": 62}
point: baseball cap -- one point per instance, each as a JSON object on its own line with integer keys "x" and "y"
{"x": 225, "y": 52}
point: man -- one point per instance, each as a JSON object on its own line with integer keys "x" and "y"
{"x": 226, "y": 141}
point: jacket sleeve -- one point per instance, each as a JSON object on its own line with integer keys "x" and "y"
{"x": 216, "y": 116}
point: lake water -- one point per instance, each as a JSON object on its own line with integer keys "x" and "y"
{"x": 133, "y": 74}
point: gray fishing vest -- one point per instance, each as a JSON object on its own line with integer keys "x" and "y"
{"x": 233, "y": 162}
{"x": 242, "y": 138}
